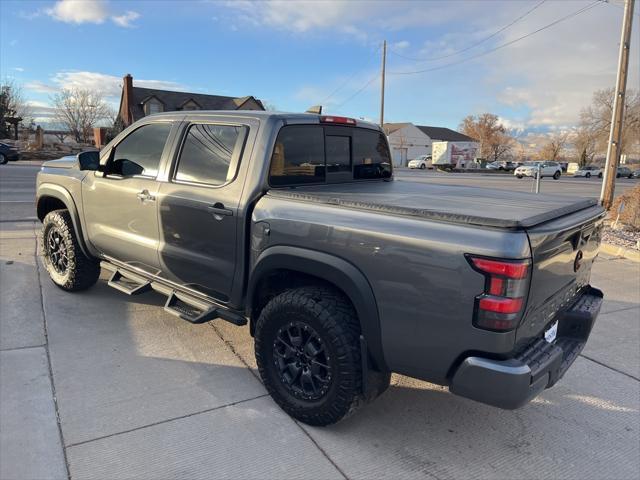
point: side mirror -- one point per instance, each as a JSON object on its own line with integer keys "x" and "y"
{"x": 89, "y": 160}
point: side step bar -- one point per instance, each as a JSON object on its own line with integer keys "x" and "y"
{"x": 186, "y": 306}
{"x": 194, "y": 311}
{"x": 129, "y": 284}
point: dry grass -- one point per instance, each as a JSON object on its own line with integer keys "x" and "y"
{"x": 630, "y": 214}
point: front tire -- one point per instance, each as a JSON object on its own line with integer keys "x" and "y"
{"x": 69, "y": 268}
{"x": 3, "y": 159}
{"x": 307, "y": 344}
{"x": 519, "y": 176}
{"x": 556, "y": 175}
{"x": 587, "y": 175}
{"x": 600, "y": 175}
{"x": 422, "y": 166}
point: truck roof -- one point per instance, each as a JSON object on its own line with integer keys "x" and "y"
{"x": 258, "y": 114}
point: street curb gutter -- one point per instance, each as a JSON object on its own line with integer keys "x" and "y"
{"x": 616, "y": 251}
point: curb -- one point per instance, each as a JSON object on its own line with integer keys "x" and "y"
{"x": 616, "y": 251}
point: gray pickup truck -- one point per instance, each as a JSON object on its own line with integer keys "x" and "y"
{"x": 294, "y": 224}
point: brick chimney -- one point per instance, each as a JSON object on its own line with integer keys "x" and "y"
{"x": 127, "y": 99}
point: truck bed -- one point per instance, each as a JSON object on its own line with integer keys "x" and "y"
{"x": 469, "y": 205}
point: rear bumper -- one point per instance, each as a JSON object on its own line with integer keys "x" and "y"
{"x": 512, "y": 383}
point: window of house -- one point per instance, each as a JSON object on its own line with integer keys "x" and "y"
{"x": 140, "y": 152}
{"x": 210, "y": 153}
{"x": 190, "y": 105}
{"x": 153, "y": 106}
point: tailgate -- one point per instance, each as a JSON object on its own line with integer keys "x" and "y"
{"x": 563, "y": 252}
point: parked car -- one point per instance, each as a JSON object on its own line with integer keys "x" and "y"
{"x": 421, "y": 162}
{"x": 589, "y": 171}
{"x": 624, "y": 172}
{"x": 547, "y": 169}
{"x": 293, "y": 223}
{"x": 635, "y": 173}
{"x": 8, "y": 153}
{"x": 507, "y": 166}
{"x": 572, "y": 168}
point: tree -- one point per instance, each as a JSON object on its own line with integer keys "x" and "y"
{"x": 596, "y": 118}
{"x": 13, "y": 108}
{"x": 79, "y": 111}
{"x": 584, "y": 142}
{"x": 494, "y": 138}
{"x": 554, "y": 146}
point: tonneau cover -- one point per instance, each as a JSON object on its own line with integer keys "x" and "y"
{"x": 449, "y": 203}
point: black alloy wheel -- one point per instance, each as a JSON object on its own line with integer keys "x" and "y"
{"x": 56, "y": 251}
{"x": 302, "y": 361}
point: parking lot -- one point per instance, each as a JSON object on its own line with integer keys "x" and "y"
{"x": 101, "y": 385}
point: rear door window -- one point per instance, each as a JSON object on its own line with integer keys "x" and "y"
{"x": 210, "y": 154}
{"x": 325, "y": 154}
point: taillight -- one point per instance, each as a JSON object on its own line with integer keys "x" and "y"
{"x": 499, "y": 306}
{"x": 337, "y": 120}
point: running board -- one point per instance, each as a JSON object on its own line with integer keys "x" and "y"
{"x": 183, "y": 305}
{"x": 195, "y": 311}
{"x": 131, "y": 285}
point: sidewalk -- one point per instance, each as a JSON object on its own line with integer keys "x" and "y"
{"x": 142, "y": 394}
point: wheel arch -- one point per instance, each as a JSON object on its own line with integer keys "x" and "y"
{"x": 281, "y": 267}
{"x": 54, "y": 197}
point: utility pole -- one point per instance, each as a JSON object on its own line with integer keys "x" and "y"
{"x": 615, "y": 135}
{"x": 384, "y": 63}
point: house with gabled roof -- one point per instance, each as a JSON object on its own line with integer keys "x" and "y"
{"x": 408, "y": 141}
{"x": 138, "y": 102}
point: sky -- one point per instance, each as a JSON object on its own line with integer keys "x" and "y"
{"x": 469, "y": 56}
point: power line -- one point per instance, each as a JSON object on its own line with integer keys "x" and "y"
{"x": 474, "y": 44}
{"x": 342, "y": 85}
{"x": 511, "y": 42}
{"x": 375, "y": 77}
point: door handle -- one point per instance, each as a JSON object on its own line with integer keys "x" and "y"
{"x": 144, "y": 195}
{"x": 218, "y": 210}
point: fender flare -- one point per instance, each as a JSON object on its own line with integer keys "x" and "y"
{"x": 62, "y": 194}
{"x": 334, "y": 270}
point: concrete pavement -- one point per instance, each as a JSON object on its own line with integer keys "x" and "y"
{"x": 101, "y": 385}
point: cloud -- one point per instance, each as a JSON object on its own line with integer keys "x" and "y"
{"x": 400, "y": 45}
{"x": 125, "y": 19}
{"x": 40, "y": 87}
{"x": 353, "y": 18}
{"x": 109, "y": 85}
{"x": 88, "y": 11}
{"x": 79, "y": 11}
{"x": 18, "y": 69}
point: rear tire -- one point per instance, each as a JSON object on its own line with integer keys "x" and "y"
{"x": 69, "y": 268}
{"x": 3, "y": 159}
{"x": 587, "y": 175}
{"x": 307, "y": 344}
{"x": 519, "y": 176}
{"x": 600, "y": 175}
{"x": 422, "y": 166}
{"x": 556, "y": 175}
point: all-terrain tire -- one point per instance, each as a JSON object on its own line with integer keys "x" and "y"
{"x": 75, "y": 271}
{"x": 330, "y": 316}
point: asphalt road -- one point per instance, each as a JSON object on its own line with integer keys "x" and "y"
{"x": 17, "y": 191}
{"x": 17, "y": 185}
{"x": 101, "y": 385}
{"x": 566, "y": 185}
